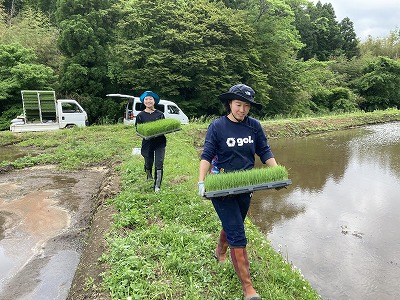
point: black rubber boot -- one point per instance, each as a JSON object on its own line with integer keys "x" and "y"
{"x": 157, "y": 180}
{"x": 149, "y": 175}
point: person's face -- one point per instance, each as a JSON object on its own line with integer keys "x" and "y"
{"x": 149, "y": 101}
{"x": 239, "y": 109}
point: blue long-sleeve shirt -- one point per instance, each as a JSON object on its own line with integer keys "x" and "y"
{"x": 234, "y": 144}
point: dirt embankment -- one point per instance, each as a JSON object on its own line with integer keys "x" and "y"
{"x": 52, "y": 228}
{"x": 87, "y": 279}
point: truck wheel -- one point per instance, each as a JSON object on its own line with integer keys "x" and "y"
{"x": 69, "y": 126}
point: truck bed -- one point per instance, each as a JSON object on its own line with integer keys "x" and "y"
{"x": 26, "y": 127}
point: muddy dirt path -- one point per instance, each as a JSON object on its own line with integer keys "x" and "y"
{"x": 51, "y": 229}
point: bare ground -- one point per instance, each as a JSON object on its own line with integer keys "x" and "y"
{"x": 50, "y": 221}
{"x": 87, "y": 280}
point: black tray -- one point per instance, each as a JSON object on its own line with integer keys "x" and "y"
{"x": 248, "y": 189}
{"x": 158, "y": 134}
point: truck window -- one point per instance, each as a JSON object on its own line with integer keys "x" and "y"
{"x": 139, "y": 106}
{"x": 70, "y": 108}
{"x": 172, "y": 109}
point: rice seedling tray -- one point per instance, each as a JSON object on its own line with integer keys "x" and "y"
{"x": 158, "y": 134}
{"x": 248, "y": 189}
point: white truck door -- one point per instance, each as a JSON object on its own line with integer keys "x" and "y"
{"x": 174, "y": 112}
{"x": 71, "y": 114}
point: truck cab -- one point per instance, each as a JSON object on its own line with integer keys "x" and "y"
{"x": 71, "y": 114}
{"x": 134, "y": 106}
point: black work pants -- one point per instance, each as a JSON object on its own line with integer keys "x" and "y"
{"x": 153, "y": 154}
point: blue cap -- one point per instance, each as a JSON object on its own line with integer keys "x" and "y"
{"x": 152, "y": 94}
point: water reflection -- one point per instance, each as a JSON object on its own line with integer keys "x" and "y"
{"x": 339, "y": 218}
{"x": 10, "y": 153}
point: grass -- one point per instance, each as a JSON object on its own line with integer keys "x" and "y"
{"x": 71, "y": 149}
{"x": 224, "y": 181}
{"x": 157, "y": 127}
{"x": 311, "y": 125}
{"x": 161, "y": 244}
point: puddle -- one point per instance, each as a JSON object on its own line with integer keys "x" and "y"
{"x": 60, "y": 181}
{"x": 43, "y": 219}
{"x": 2, "y": 225}
{"x": 11, "y": 153}
{"x": 32, "y": 220}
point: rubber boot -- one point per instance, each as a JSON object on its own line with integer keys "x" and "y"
{"x": 222, "y": 247}
{"x": 242, "y": 267}
{"x": 157, "y": 180}
{"x": 149, "y": 175}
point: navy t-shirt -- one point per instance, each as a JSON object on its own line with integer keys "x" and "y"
{"x": 234, "y": 144}
{"x": 144, "y": 117}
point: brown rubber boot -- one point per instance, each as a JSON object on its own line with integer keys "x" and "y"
{"x": 242, "y": 267}
{"x": 222, "y": 247}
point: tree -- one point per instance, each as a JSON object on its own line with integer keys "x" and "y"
{"x": 12, "y": 8}
{"x": 388, "y": 46}
{"x": 379, "y": 84}
{"x": 322, "y": 35}
{"x": 18, "y": 70}
{"x": 188, "y": 51}
{"x": 277, "y": 42}
{"x": 32, "y": 29}
{"x": 86, "y": 31}
{"x": 350, "y": 43}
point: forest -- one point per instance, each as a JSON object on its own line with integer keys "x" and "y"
{"x": 298, "y": 57}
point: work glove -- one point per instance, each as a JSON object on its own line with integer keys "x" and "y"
{"x": 202, "y": 190}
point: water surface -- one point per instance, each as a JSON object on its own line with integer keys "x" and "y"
{"x": 338, "y": 222}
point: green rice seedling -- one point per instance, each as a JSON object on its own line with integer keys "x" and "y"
{"x": 224, "y": 181}
{"x": 157, "y": 127}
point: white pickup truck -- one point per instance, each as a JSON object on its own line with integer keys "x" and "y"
{"x": 43, "y": 112}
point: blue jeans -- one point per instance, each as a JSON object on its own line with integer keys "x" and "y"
{"x": 232, "y": 211}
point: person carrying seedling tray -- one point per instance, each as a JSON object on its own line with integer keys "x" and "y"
{"x": 153, "y": 149}
{"x": 230, "y": 145}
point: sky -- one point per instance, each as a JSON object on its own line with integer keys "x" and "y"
{"x": 370, "y": 17}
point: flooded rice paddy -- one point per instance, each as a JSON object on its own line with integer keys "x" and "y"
{"x": 338, "y": 222}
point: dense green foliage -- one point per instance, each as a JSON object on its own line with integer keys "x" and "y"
{"x": 297, "y": 56}
{"x": 324, "y": 37}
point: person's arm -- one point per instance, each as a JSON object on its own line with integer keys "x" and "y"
{"x": 138, "y": 119}
{"x": 203, "y": 170}
{"x": 271, "y": 162}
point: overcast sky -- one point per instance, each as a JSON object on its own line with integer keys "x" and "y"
{"x": 369, "y": 17}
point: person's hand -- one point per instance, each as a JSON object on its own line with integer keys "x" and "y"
{"x": 201, "y": 188}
